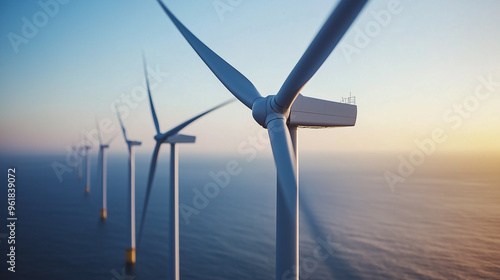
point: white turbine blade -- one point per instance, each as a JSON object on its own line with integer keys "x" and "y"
{"x": 155, "y": 119}
{"x": 316, "y": 231}
{"x": 232, "y": 79}
{"x": 186, "y": 123}
{"x": 287, "y": 198}
{"x": 112, "y": 138}
{"x": 152, "y": 169}
{"x": 98, "y": 131}
{"x": 121, "y": 124}
{"x": 318, "y": 51}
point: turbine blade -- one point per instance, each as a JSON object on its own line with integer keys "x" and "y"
{"x": 186, "y": 123}
{"x": 98, "y": 131}
{"x": 152, "y": 169}
{"x": 155, "y": 119}
{"x": 112, "y": 138}
{"x": 232, "y": 79}
{"x": 338, "y": 267}
{"x": 121, "y": 124}
{"x": 287, "y": 197}
{"x": 318, "y": 51}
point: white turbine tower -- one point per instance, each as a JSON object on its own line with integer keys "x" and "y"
{"x": 102, "y": 170}
{"x": 87, "y": 158}
{"x": 283, "y": 113}
{"x": 74, "y": 151}
{"x": 79, "y": 163}
{"x": 171, "y": 137}
{"x": 130, "y": 252}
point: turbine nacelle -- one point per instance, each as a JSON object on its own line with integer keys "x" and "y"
{"x": 180, "y": 138}
{"x": 134, "y": 143}
{"x": 317, "y": 113}
{"x": 305, "y": 112}
{"x": 174, "y": 138}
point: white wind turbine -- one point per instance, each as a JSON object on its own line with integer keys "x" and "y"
{"x": 283, "y": 113}
{"x": 171, "y": 137}
{"x": 130, "y": 252}
{"x": 102, "y": 170}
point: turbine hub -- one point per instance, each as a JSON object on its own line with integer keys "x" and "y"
{"x": 265, "y": 109}
{"x": 158, "y": 137}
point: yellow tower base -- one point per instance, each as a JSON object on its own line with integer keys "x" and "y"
{"x": 130, "y": 255}
{"x": 104, "y": 214}
{"x": 87, "y": 189}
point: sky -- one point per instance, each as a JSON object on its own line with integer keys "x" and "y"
{"x": 420, "y": 70}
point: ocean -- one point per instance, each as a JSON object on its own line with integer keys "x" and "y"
{"x": 441, "y": 222}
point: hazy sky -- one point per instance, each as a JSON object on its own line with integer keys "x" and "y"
{"x": 414, "y": 67}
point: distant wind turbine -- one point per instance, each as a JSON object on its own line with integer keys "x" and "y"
{"x": 102, "y": 169}
{"x": 130, "y": 252}
{"x": 171, "y": 137}
{"x": 283, "y": 113}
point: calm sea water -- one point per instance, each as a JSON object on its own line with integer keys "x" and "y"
{"x": 443, "y": 222}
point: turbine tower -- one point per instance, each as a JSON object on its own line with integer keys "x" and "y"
{"x": 87, "y": 157}
{"x": 79, "y": 162}
{"x": 130, "y": 252}
{"x": 283, "y": 113}
{"x": 171, "y": 137}
{"x": 74, "y": 150}
{"x": 102, "y": 169}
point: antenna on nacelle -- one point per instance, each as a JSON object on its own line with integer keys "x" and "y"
{"x": 350, "y": 99}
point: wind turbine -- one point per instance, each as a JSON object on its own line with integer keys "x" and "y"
{"x": 171, "y": 137}
{"x": 130, "y": 252}
{"x": 102, "y": 169}
{"x": 283, "y": 113}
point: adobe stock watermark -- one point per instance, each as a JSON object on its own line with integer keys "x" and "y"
{"x": 363, "y": 36}
{"x": 324, "y": 249}
{"x": 125, "y": 104}
{"x": 224, "y": 6}
{"x": 121, "y": 276}
{"x": 31, "y": 26}
{"x": 454, "y": 117}
{"x": 219, "y": 180}
{"x": 138, "y": 94}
